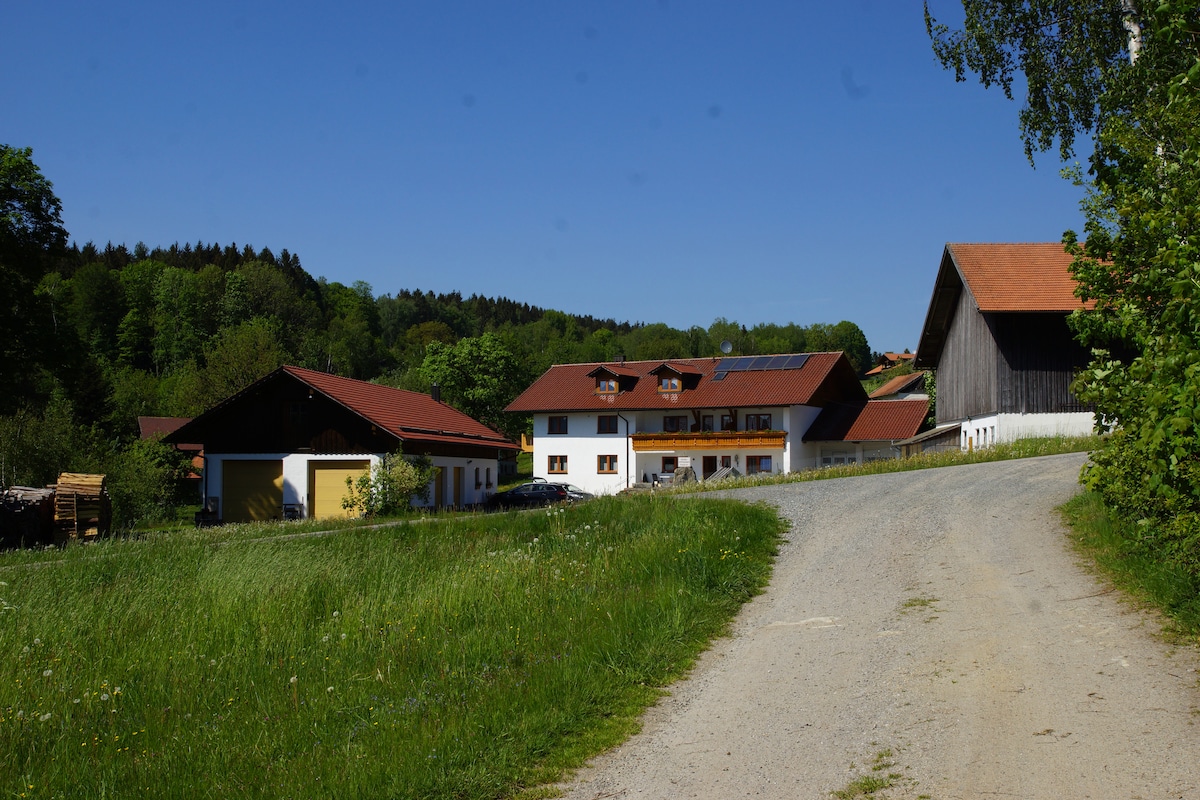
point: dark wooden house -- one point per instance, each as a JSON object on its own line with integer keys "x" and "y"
{"x": 284, "y": 446}
{"x": 996, "y": 333}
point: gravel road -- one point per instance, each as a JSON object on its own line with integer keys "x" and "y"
{"x": 935, "y": 623}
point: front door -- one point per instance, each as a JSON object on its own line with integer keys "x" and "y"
{"x": 710, "y": 465}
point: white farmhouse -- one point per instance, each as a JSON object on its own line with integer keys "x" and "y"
{"x": 605, "y": 427}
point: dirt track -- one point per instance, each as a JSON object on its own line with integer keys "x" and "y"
{"x": 939, "y": 615}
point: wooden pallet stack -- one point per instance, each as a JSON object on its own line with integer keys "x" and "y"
{"x": 82, "y": 509}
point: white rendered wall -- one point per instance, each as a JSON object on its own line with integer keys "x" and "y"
{"x": 802, "y": 454}
{"x": 295, "y": 474}
{"x": 998, "y": 428}
{"x": 583, "y": 446}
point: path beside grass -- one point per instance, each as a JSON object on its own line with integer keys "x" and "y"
{"x": 925, "y": 634}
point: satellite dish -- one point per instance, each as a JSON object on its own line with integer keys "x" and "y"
{"x": 726, "y": 347}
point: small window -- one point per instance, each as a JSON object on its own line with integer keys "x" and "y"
{"x": 558, "y": 464}
{"x": 488, "y": 473}
{"x": 728, "y": 423}
{"x": 668, "y": 384}
{"x": 606, "y": 423}
{"x": 606, "y": 464}
{"x": 758, "y": 422}
{"x": 675, "y": 424}
{"x": 478, "y": 485}
{"x": 669, "y": 463}
{"x": 757, "y": 464}
{"x": 706, "y": 422}
{"x": 726, "y": 461}
{"x": 556, "y": 425}
{"x": 606, "y": 385}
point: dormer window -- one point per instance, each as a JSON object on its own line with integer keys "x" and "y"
{"x": 606, "y": 385}
{"x": 668, "y": 383}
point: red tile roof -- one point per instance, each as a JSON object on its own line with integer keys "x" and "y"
{"x": 913, "y": 381}
{"x": 567, "y": 387}
{"x": 871, "y": 421}
{"x": 1017, "y": 277}
{"x": 407, "y": 415}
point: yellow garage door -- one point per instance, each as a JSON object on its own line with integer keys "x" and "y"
{"x": 327, "y": 486}
{"x": 251, "y": 490}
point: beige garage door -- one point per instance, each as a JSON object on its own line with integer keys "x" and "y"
{"x": 327, "y": 486}
{"x": 251, "y": 490}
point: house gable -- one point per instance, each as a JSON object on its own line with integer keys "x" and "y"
{"x": 299, "y": 410}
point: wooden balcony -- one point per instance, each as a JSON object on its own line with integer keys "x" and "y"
{"x": 709, "y": 440}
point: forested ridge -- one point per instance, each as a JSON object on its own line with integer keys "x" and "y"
{"x": 96, "y": 337}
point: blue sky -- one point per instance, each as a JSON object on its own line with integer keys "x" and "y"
{"x": 654, "y": 161}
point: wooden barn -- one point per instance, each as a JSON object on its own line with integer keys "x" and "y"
{"x": 996, "y": 333}
{"x": 284, "y": 446}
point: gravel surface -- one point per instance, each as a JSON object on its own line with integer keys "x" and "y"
{"x": 935, "y": 623}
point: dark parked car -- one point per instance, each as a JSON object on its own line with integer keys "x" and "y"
{"x": 575, "y": 494}
{"x": 530, "y": 494}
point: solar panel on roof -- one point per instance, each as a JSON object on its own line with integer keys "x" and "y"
{"x": 758, "y": 363}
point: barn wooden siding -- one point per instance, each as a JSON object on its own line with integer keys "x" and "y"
{"x": 1039, "y": 360}
{"x": 966, "y": 375}
{"x": 1018, "y": 363}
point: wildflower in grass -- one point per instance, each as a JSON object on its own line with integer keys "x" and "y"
{"x": 293, "y": 680}
{"x": 329, "y": 690}
{"x": 337, "y": 614}
{"x": 104, "y": 697}
{"x": 46, "y": 673}
{"x": 325, "y": 638}
{"x": 45, "y": 717}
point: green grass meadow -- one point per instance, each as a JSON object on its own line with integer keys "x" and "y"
{"x": 469, "y": 657}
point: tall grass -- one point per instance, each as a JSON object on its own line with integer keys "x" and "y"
{"x": 1123, "y": 557}
{"x": 464, "y": 658}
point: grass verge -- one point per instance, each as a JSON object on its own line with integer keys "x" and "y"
{"x": 1114, "y": 547}
{"x": 463, "y": 658}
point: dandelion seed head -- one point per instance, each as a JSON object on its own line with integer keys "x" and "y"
{"x": 329, "y": 690}
{"x": 46, "y": 673}
{"x": 293, "y": 679}
{"x": 337, "y": 613}
{"x": 325, "y": 638}
{"x": 343, "y": 636}
{"x": 45, "y": 717}
{"x": 104, "y": 697}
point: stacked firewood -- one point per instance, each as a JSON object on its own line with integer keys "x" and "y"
{"x": 82, "y": 508}
{"x": 26, "y": 517}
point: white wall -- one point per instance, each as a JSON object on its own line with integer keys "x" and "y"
{"x": 999, "y": 428}
{"x": 582, "y": 446}
{"x": 802, "y": 455}
{"x": 295, "y": 474}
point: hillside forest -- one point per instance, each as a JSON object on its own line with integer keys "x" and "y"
{"x": 95, "y": 337}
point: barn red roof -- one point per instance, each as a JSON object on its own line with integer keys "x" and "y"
{"x": 1017, "y": 277}
{"x": 821, "y": 378}
{"x": 870, "y": 421}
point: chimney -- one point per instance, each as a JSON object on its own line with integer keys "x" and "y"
{"x": 435, "y": 392}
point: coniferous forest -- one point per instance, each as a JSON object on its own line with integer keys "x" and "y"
{"x": 94, "y": 337}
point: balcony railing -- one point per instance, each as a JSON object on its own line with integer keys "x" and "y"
{"x": 709, "y": 440}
